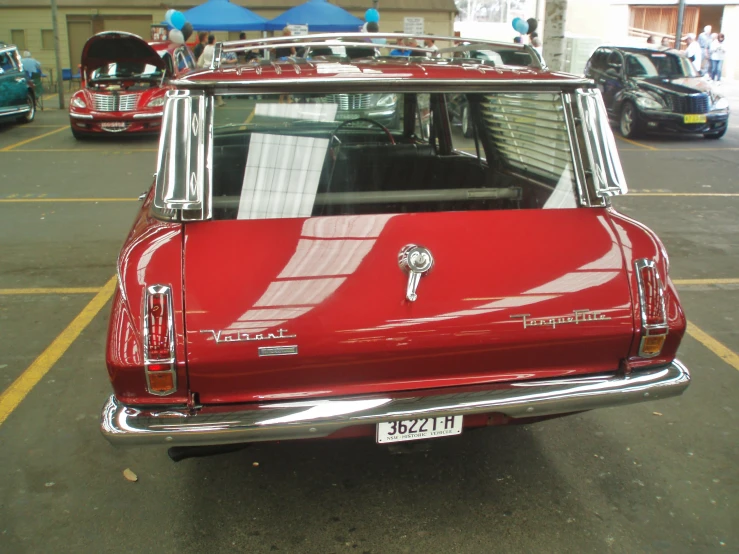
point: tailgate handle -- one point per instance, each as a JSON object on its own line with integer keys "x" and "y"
{"x": 416, "y": 261}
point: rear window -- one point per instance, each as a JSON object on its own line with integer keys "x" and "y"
{"x": 285, "y": 156}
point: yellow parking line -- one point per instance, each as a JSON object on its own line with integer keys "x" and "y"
{"x": 713, "y": 345}
{"x": 78, "y": 290}
{"x": 695, "y": 194}
{"x": 21, "y": 143}
{"x": 96, "y": 151}
{"x": 638, "y": 143}
{"x": 34, "y": 200}
{"x": 688, "y": 282}
{"x": 19, "y": 389}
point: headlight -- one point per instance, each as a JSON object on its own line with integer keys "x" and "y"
{"x": 649, "y": 103}
{"x": 156, "y": 102}
{"x": 78, "y": 102}
{"x": 387, "y": 100}
{"x": 720, "y": 104}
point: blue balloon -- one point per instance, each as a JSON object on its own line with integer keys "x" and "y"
{"x": 168, "y": 17}
{"x": 372, "y": 16}
{"x": 520, "y": 26}
{"x": 178, "y": 20}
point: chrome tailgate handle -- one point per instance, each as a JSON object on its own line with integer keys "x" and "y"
{"x": 416, "y": 261}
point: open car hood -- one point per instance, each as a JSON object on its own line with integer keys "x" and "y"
{"x": 117, "y": 46}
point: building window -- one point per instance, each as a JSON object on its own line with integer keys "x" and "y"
{"x": 18, "y": 37}
{"x": 47, "y": 39}
{"x": 494, "y": 11}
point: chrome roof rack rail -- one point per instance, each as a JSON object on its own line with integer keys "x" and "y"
{"x": 365, "y": 40}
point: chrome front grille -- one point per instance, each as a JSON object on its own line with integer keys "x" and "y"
{"x": 114, "y": 102}
{"x": 127, "y": 102}
{"x": 693, "y": 104}
{"x": 351, "y": 101}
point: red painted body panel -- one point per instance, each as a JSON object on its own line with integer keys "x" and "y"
{"x": 335, "y": 283}
{"x": 152, "y": 254}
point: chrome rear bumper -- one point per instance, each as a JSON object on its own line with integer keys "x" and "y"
{"x": 128, "y": 426}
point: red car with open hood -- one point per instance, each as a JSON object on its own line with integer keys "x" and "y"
{"x": 294, "y": 274}
{"x": 124, "y": 82}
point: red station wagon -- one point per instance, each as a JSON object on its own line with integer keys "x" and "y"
{"x": 293, "y": 274}
{"x": 125, "y": 80}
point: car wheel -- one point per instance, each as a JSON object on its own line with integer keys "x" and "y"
{"x": 78, "y": 135}
{"x": 468, "y": 129}
{"x": 29, "y": 115}
{"x": 718, "y": 135}
{"x": 628, "y": 123}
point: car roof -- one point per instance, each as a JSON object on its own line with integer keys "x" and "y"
{"x": 380, "y": 70}
{"x": 419, "y": 69}
{"x": 643, "y": 49}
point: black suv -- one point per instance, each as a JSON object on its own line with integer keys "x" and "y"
{"x": 656, "y": 90}
{"x": 17, "y": 100}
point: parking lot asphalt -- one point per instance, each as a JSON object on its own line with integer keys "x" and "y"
{"x": 655, "y": 477}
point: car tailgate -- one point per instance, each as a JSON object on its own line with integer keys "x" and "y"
{"x": 286, "y": 308}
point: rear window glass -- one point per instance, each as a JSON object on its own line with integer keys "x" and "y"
{"x": 284, "y": 156}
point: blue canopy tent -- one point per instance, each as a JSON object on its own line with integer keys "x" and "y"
{"x": 320, "y": 16}
{"x": 222, "y": 15}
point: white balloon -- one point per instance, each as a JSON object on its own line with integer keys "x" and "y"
{"x": 176, "y": 36}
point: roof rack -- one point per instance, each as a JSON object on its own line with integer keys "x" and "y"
{"x": 459, "y": 45}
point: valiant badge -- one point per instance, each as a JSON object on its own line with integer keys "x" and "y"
{"x": 416, "y": 261}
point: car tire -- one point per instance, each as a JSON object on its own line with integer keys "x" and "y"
{"x": 78, "y": 135}
{"x": 29, "y": 115}
{"x": 468, "y": 130}
{"x": 715, "y": 136}
{"x": 628, "y": 122}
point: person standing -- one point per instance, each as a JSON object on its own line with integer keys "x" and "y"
{"x": 704, "y": 41}
{"x": 206, "y": 56}
{"x": 400, "y": 49}
{"x": 198, "y": 50}
{"x": 693, "y": 52}
{"x": 30, "y": 65}
{"x": 717, "y": 53}
{"x": 431, "y": 44}
{"x": 286, "y": 51}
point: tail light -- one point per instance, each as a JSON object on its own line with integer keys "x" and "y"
{"x": 159, "y": 360}
{"x": 652, "y": 308}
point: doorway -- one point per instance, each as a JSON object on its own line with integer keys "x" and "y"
{"x": 79, "y": 31}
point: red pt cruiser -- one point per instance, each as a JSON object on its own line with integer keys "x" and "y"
{"x": 292, "y": 275}
{"x": 124, "y": 82}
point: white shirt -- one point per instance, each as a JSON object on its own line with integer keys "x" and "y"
{"x": 694, "y": 50}
{"x": 206, "y": 58}
{"x": 718, "y": 51}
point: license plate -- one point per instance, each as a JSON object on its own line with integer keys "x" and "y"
{"x": 113, "y": 126}
{"x": 694, "y": 118}
{"x": 416, "y": 429}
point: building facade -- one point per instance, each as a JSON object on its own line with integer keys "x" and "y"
{"x": 27, "y": 23}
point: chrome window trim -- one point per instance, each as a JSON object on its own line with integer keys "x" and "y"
{"x": 600, "y": 145}
{"x": 165, "y": 290}
{"x": 378, "y": 83}
{"x": 577, "y": 162}
{"x": 180, "y": 161}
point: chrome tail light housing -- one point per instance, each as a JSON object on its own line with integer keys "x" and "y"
{"x": 158, "y": 330}
{"x": 652, "y": 308}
